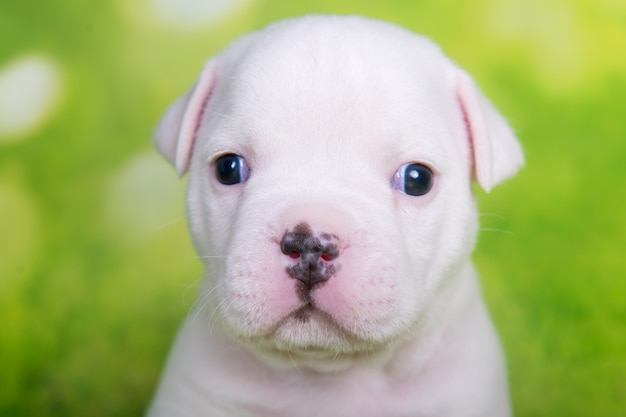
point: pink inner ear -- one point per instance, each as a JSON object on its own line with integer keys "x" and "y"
{"x": 193, "y": 117}
{"x": 497, "y": 153}
{"x": 477, "y": 130}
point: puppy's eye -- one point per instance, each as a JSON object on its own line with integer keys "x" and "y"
{"x": 413, "y": 179}
{"x": 231, "y": 169}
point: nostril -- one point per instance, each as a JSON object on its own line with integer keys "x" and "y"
{"x": 302, "y": 245}
{"x": 291, "y": 246}
{"x": 331, "y": 252}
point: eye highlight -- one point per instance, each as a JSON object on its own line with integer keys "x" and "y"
{"x": 413, "y": 179}
{"x": 231, "y": 169}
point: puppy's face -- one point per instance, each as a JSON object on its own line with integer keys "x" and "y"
{"x": 329, "y": 188}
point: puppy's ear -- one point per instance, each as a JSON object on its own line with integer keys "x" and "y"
{"x": 176, "y": 133}
{"x": 497, "y": 154}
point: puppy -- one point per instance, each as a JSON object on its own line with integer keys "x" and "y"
{"x": 330, "y": 164}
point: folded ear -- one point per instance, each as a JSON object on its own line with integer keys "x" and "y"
{"x": 496, "y": 151}
{"x": 176, "y": 133}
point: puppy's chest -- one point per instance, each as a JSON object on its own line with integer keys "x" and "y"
{"x": 341, "y": 396}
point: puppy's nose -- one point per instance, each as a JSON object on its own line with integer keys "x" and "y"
{"x": 314, "y": 255}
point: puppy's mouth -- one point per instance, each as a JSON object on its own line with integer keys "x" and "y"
{"x": 310, "y": 331}
{"x": 309, "y": 312}
{"x": 311, "y": 338}
{"x": 304, "y": 318}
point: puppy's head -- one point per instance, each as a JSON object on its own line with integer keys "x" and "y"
{"x": 330, "y": 161}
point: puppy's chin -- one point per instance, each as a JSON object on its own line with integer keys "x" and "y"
{"x": 309, "y": 338}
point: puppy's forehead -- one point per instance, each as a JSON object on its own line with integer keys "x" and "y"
{"x": 323, "y": 82}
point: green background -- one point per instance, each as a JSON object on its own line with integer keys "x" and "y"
{"x": 96, "y": 267}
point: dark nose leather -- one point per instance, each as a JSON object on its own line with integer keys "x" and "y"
{"x": 314, "y": 255}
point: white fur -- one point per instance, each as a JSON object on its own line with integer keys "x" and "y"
{"x": 325, "y": 110}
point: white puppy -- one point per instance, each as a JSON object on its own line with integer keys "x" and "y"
{"x": 330, "y": 164}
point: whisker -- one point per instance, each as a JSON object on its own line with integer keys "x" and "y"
{"x": 217, "y": 307}
{"x": 194, "y": 285}
{"x": 496, "y": 215}
{"x": 506, "y": 232}
{"x": 213, "y": 322}
{"x": 202, "y": 301}
{"x": 170, "y": 222}
{"x": 197, "y": 307}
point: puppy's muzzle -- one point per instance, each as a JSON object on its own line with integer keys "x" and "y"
{"x": 315, "y": 256}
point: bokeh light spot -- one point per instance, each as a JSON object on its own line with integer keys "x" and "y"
{"x": 181, "y": 15}
{"x": 30, "y": 88}
{"x": 187, "y": 13}
{"x": 143, "y": 198}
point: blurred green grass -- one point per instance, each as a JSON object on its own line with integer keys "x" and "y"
{"x": 96, "y": 267}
